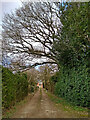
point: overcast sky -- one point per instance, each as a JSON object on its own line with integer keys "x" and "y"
{"x": 6, "y": 6}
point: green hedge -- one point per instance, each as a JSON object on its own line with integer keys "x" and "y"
{"x": 14, "y": 87}
{"x": 73, "y": 85}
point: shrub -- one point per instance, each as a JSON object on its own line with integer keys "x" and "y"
{"x": 14, "y": 87}
{"x": 73, "y": 85}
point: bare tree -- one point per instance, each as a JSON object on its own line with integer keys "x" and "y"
{"x": 31, "y": 31}
{"x": 46, "y": 71}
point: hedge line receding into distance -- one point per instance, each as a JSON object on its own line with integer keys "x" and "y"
{"x": 73, "y": 85}
{"x": 14, "y": 87}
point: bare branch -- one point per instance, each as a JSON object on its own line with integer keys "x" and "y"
{"x": 32, "y": 30}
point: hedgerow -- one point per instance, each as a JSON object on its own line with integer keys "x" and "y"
{"x": 14, "y": 87}
{"x": 73, "y": 85}
{"x": 73, "y": 54}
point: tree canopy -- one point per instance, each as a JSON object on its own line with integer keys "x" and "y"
{"x": 56, "y": 33}
{"x": 31, "y": 30}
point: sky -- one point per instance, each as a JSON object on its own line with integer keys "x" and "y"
{"x": 7, "y": 7}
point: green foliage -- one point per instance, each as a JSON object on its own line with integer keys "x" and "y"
{"x": 66, "y": 106}
{"x": 73, "y": 54}
{"x": 54, "y": 78}
{"x": 14, "y": 87}
{"x": 31, "y": 88}
{"x": 73, "y": 44}
{"x": 73, "y": 85}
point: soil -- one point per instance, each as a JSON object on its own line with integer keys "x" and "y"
{"x": 40, "y": 106}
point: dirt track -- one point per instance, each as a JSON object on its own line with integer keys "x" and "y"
{"x": 40, "y": 106}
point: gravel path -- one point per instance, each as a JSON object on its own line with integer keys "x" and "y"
{"x": 40, "y": 106}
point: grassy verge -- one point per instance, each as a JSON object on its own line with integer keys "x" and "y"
{"x": 40, "y": 93}
{"x": 63, "y": 104}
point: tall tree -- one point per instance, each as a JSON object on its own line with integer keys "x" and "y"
{"x": 46, "y": 71}
{"x": 73, "y": 45}
{"x": 30, "y": 32}
{"x": 55, "y": 32}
